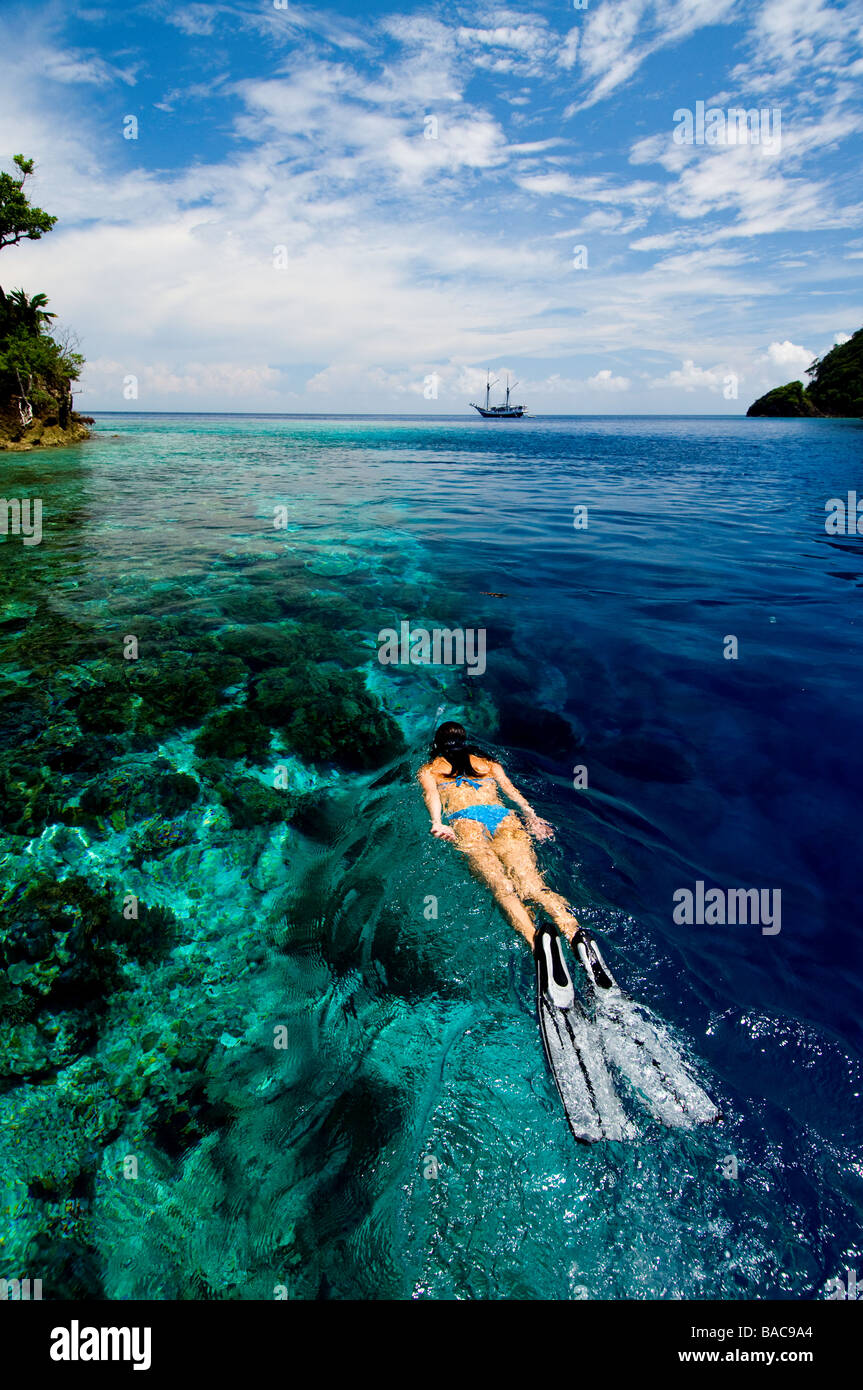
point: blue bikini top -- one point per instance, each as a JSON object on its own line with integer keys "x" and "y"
{"x": 461, "y": 779}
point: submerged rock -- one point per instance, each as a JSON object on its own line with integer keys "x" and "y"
{"x": 22, "y": 717}
{"x": 234, "y": 733}
{"x": 65, "y": 749}
{"x": 328, "y": 716}
{"x": 64, "y": 944}
{"x": 29, "y": 797}
{"x": 178, "y": 689}
{"x": 250, "y": 607}
{"x": 322, "y": 816}
{"x": 51, "y": 640}
{"x": 151, "y": 696}
{"x": 262, "y": 648}
{"x": 156, "y": 838}
{"x": 250, "y": 802}
{"x": 134, "y": 790}
{"x": 333, "y": 610}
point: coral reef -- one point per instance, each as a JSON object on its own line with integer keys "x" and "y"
{"x": 152, "y": 857}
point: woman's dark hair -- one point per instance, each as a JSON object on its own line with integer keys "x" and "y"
{"x": 450, "y": 742}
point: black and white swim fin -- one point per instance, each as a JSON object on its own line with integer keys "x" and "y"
{"x": 642, "y": 1049}
{"x": 573, "y": 1049}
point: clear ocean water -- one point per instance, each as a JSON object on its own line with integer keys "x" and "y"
{"x": 289, "y": 1077}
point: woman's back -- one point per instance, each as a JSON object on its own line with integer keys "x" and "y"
{"x": 442, "y": 769}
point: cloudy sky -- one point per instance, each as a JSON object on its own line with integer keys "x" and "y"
{"x": 349, "y": 207}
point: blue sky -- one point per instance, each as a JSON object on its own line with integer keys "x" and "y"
{"x": 409, "y": 263}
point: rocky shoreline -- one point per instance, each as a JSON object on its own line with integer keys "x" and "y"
{"x": 49, "y": 431}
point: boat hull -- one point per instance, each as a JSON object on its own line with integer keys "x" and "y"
{"x": 499, "y": 414}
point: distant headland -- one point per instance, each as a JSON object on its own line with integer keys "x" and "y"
{"x": 36, "y": 368}
{"x": 835, "y": 388}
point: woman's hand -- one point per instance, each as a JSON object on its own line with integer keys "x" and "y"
{"x": 539, "y": 828}
{"x": 441, "y": 831}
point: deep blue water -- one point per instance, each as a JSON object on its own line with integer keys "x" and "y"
{"x": 408, "y": 1038}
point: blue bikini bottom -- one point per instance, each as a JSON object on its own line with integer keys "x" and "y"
{"x": 489, "y": 816}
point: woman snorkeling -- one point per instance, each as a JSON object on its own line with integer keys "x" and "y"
{"x": 461, "y": 789}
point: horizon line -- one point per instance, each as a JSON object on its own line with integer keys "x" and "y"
{"x": 416, "y": 415}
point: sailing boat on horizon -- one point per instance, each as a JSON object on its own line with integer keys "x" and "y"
{"x": 498, "y": 412}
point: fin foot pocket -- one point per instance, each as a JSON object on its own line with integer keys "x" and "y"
{"x": 553, "y": 977}
{"x": 595, "y": 967}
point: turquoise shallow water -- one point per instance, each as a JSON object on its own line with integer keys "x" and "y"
{"x": 284, "y": 1074}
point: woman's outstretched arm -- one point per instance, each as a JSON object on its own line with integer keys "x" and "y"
{"x": 536, "y": 825}
{"x": 432, "y": 800}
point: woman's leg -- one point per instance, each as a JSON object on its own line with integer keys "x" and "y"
{"x": 475, "y": 844}
{"x": 514, "y": 848}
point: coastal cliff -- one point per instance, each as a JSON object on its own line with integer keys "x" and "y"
{"x": 52, "y": 425}
{"x": 835, "y": 389}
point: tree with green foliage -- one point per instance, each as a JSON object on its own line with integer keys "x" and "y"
{"x": 785, "y": 402}
{"x": 36, "y": 371}
{"x": 19, "y": 220}
{"x": 17, "y": 310}
{"x": 837, "y": 379}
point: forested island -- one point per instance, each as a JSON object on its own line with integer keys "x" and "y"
{"x": 37, "y": 366}
{"x": 835, "y": 388}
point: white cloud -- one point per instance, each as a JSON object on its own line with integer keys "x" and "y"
{"x": 194, "y": 19}
{"x": 352, "y": 127}
{"x": 568, "y": 52}
{"x": 621, "y": 34}
{"x": 609, "y": 53}
{"x": 590, "y": 189}
{"x": 193, "y": 381}
{"x": 788, "y": 354}
{"x": 691, "y": 378}
{"x": 74, "y": 66}
{"x": 760, "y": 185}
{"x": 280, "y": 26}
{"x": 798, "y": 36}
{"x": 525, "y": 38}
{"x": 477, "y": 143}
{"x": 662, "y": 241}
{"x": 606, "y": 381}
{"x": 357, "y": 377}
